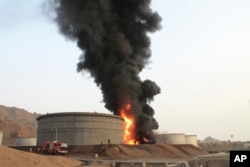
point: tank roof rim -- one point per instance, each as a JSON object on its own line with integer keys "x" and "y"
{"x": 77, "y": 113}
{"x": 190, "y": 135}
{"x": 175, "y": 133}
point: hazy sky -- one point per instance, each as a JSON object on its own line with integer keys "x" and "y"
{"x": 200, "y": 59}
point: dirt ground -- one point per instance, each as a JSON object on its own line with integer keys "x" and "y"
{"x": 148, "y": 151}
{"x": 11, "y": 157}
{"x": 14, "y": 158}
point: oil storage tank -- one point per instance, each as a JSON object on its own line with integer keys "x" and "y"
{"x": 161, "y": 138}
{"x": 191, "y": 139}
{"x": 175, "y": 138}
{"x": 80, "y": 128}
{"x": 25, "y": 141}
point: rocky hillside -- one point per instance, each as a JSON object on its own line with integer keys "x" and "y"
{"x": 16, "y": 122}
{"x": 209, "y": 139}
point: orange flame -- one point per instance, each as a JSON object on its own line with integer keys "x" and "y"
{"x": 129, "y": 125}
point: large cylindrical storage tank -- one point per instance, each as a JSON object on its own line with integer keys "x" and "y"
{"x": 25, "y": 141}
{"x": 1, "y": 137}
{"x": 191, "y": 139}
{"x": 161, "y": 138}
{"x": 175, "y": 138}
{"x": 80, "y": 128}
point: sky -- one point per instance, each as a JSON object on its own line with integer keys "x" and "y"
{"x": 200, "y": 59}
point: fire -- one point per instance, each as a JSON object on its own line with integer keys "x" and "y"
{"x": 129, "y": 125}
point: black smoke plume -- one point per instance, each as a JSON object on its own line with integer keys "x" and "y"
{"x": 112, "y": 35}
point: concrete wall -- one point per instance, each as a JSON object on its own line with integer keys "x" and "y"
{"x": 1, "y": 137}
{"x": 191, "y": 139}
{"x": 79, "y": 128}
{"x": 23, "y": 141}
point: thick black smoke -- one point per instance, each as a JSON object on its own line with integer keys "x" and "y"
{"x": 112, "y": 35}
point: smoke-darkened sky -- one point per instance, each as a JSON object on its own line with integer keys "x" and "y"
{"x": 200, "y": 60}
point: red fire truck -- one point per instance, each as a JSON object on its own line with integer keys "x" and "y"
{"x": 54, "y": 147}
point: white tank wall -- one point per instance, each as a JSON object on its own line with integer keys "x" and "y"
{"x": 23, "y": 141}
{"x": 1, "y": 137}
{"x": 191, "y": 139}
{"x": 175, "y": 138}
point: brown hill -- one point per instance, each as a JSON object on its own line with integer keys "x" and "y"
{"x": 16, "y": 122}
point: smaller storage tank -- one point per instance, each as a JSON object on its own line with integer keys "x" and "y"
{"x": 175, "y": 138}
{"x": 191, "y": 139}
{"x": 25, "y": 141}
{"x": 1, "y": 137}
{"x": 161, "y": 138}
